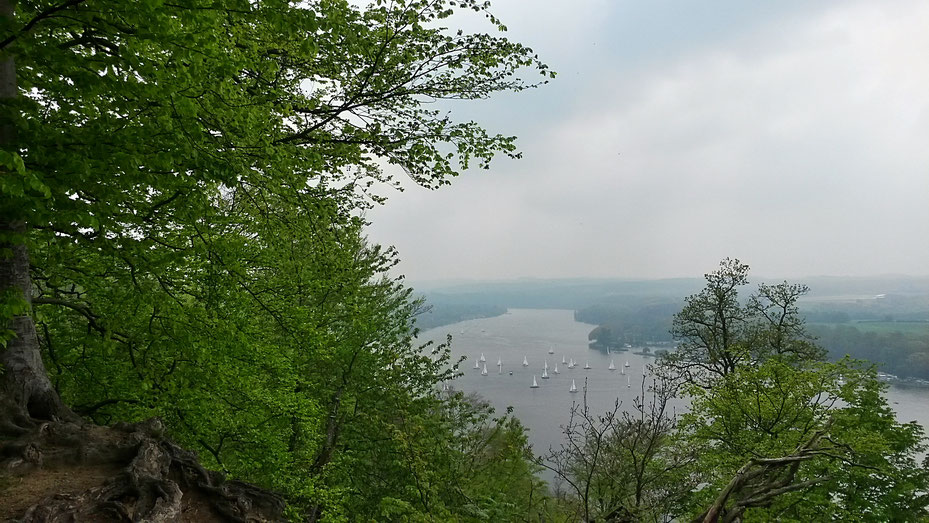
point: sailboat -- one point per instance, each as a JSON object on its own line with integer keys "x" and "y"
{"x": 573, "y": 387}
{"x": 563, "y": 360}
{"x": 525, "y": 362}
{"x": 499, "y": 362}
{"x": 482, "y": 359}
{"x": 628, "y": 382}
{"x": 484, "y": 370}
{"x": 551, "y": 350}
{"x": 535, "y": 384}
{"x": 571, "y": 363}
{"x": 627, "y": 363}
{"x": 477, "y": 364}
{"x": 612, "y": 365}
{"x": 587, "y": 365}
{"x": 546, "y": 365}
{"x": 544, "y": 374}
{"x": 622, "y": 370}
{"x": 556, "y": 369}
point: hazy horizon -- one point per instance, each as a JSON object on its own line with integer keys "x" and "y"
{"x": 636, "y": 278}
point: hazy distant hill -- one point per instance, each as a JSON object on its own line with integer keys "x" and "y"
{"x": 579, "y": 292}
{"x": 558, "y": 294}
{"x": 838, "y": 286}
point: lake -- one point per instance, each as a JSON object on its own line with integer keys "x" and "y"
{"x": 530, "y": 333}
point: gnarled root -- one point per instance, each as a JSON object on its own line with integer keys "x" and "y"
{"x": 158, "y": 481}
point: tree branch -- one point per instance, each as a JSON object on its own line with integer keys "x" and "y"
{"x": 38, "y": 18}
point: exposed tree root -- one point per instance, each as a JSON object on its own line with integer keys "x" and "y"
{"x": 157, "y": 481}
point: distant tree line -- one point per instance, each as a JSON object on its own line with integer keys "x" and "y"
{"x": 635, "y": 323}
{"x": 889, "y": 307}
{"x": 903, "y": 354}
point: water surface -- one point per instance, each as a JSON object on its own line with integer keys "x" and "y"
{"x": 530, "y": 333}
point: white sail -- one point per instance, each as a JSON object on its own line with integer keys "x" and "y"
{"x": 535, "y": 384}
{"x": 482, "y": 359}
{"x": 573, "y": 387}
{"x": 551, "y": 350}
{"x": 627, "y": 363}
{"x": 556, "y": 368}
{"x": 628, "y": 381}
{"x": 622, "y": 370}
{"x": 525, "y": 362}
{"x": 546, "y": 364}
{"x": 612, "y": 365}
{"x": 587, "y": 365}
{"x": 484, "y": 370}
{"x": 477, "y": 364}
{"x": 499, "y": 362}
{"x": 544, "y": 374}
{"x": 571, "y": 363}
{"x": 563, "y": 360}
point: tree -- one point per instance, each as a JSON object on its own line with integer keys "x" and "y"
{"x": 484, "y": 473}
{"x": 779, "y": 328}
{"x": 620, "y": 466}
{"x": 185, "y": 182}
{"x": 711, "y": 328}
{"x": 780, "y": 433}
{"x": 134, "y": 118}
{"x": 24, "y": 385}
{"x": 718, "y": 333}
{"x": 810, "y": 442}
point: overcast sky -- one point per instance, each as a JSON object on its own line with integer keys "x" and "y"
{"x": 791, "y": 135}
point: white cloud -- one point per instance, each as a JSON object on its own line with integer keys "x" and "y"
{"x": 799, "y": 147}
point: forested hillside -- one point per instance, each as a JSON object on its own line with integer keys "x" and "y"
{"x": 902, "y": 352}
{"x": 181, "y": 191}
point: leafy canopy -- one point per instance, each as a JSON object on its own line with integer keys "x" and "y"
{"x": 192, "y": 175}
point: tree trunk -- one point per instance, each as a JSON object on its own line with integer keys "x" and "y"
{"x": 328, "y": 448}
{"x": 24, "y": 385}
